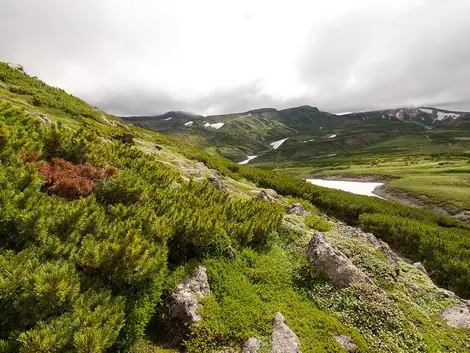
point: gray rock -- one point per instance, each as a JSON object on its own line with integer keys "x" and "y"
{"x": 216, "y": 173}
{"x": 217, "y": 184}
{"x": 346, "y": 342}
{"x": 158, "y": 147}
{"x": 182, "y": 304}
{"x": 127, "y": 138}
{"x": 251, "y": 345}
{"x": 44, "y": 118}
{"x": 271, "y": 192}
{"x": 16, "y": 66}
{"x": 337, "y": 267}
{"x": 447, "y": 293}
{"x": 457, "y": 315}
{"x": 420, "y": 267}
{"x": 202, "y": 166}
{"x": 371, "y": 239}
{"x": 263, "y": 195}
{"x": 284, "y": 340}
{"x": 297, "y": 209}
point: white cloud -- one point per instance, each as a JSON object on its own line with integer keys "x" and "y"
{"x": 142, "y": 57}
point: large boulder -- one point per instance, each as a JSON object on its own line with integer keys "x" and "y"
{"x": 182, "y": 304}
{"x": 457, "y": 315}
{"x": 346, "y": 342}
{"x": 284, "y": 340}
{"x": 337, "y": 267}
{"x": 251, "y": 345}
{"x": 297, "y": 209}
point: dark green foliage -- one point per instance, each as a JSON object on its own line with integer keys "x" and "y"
{"x": 57, "y": 254}
{"x": 444, "y": 251}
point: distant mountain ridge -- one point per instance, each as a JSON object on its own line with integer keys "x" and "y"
{"x": 307, "y": 131}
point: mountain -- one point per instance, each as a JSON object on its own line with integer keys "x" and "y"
{"x": 114, "y": 238}
{"x": 307, "y": 132}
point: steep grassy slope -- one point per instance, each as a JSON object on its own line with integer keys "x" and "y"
{"x": 100, "y": 221}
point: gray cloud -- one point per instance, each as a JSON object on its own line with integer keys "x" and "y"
{"x": 147, "y": 57}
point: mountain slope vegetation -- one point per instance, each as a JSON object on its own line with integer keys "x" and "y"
{"x": 100, "y": 221}
{"x": 420, "y": 153}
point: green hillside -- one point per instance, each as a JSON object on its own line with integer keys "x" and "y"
{"x": 101, "y": 222}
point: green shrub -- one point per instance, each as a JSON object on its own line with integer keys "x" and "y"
{"x": 318, "y": 224}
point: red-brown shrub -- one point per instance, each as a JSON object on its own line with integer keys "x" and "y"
{"x": 72, "y": 180}
{"x": 32, "y": 157}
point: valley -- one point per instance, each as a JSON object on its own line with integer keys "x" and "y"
{"x": 421, "y": 154}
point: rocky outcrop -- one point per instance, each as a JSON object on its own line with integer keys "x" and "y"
{"x": 251, "y": 345}
{"x": 297, "y": 209}
{"x": 336, "y": 266}
{"x": 284, "y": 340}
{"x": 370, "y": 239}
{"x": 419, "y": 266}
{"x": 217, "y": 184}
{"x": 457, "y": 315}
{"x": 346, "y": 342}
{"x": 182, "y": 304}
{"x": 266, "y": 195}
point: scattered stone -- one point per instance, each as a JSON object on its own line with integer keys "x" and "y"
{"x": 16, "y": 66}
{"x": 457, "y": 315}
{"x": 251, "y": 345}
{"x": 216, "y": 173}
{"x": 121, "y": 125}
{"x": 44, "y": 118}
{"x": 297, "y": 209}
{"x": 232, "y": 253}
{"x": 346, "y": 342}
{"x": 339, "y": 269}
{"x": 271, "y": 192}
{"x": 202, "y": 166}
{"x": 158, "y": 147}
{"x": 127, "y": 138}
{"x": 217, "y": 184}
{"x": 106, "y": 140}
{"x": 419, "y": 266}
{"x": 284, "y": 340}
{"x": 182, "y": 304}
{"x": 264, "y": 196}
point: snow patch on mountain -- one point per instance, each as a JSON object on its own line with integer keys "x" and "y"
{"x": 189, "y": 123}
{"x": 168, "y": 118}
{"x": 276, "y": 144}
{"x": 427, "y": 111}
{"x": 248, "y": 159}
{"x": 444, "y": 115}
{"x": 214, "y": 126}
{"x": 332, "y": 136}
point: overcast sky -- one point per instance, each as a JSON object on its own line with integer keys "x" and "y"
{"x": 217, "y": 56}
